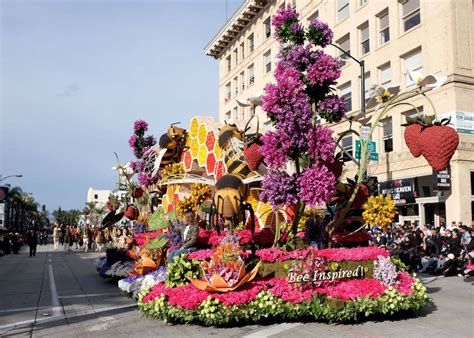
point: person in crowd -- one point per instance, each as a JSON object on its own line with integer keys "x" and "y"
{"x": 15, "y": 243}
{"x": 62, "y": 234}
{"x": 56, "y": 236}
{"x": 465, "y": 235}
{"x": 189, "y": 235}
{"x": 99, "y": 241}
{"x": 32, "y": 242}
{"x": 85, "y": 237}
{"x": 67, "y": 238}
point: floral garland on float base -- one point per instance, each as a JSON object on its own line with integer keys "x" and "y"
{"x": 326, "y": 295}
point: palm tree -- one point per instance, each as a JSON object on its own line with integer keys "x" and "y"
{"x": 13, "y": 198}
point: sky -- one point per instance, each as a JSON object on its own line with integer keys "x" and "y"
{"x": 76, "y": 74}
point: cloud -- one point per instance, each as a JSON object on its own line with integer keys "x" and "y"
{"x": 69, "y": 90}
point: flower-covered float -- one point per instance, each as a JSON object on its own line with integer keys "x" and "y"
{"x": 282, "y": 235}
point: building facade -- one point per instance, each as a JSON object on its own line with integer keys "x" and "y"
{"x": 98, "y": 197}
{"x": 391, "y": 37}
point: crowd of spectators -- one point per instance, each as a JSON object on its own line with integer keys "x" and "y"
{"x": 446, "y": 249}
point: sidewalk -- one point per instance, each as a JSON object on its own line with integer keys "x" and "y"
{"x": 54, "y": 285}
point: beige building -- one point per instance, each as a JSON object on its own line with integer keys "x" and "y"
{"x": 391, "y": 37}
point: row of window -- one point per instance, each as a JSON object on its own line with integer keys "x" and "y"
{"x": 383, "y": 29}
{"x": 410, "y": 13}
{"x": 387, "y": 135}
{"x": 240, "y": 83}
{"x": 239, "y": 53}
{"x": 411, "y": 61}
{"x": 238, "y": 114}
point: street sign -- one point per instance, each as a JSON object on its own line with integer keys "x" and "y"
{"x": 364, "y": 132}
{"x": 371, "y": 148}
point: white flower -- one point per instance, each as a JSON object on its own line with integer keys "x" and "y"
{"x": 378, "y": 95}
{"x": 429, "y": 80}
{"x": 124, "y": 170}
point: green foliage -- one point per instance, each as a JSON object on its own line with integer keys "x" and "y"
{"x": 157, "y": 243}
{"x": 267, "y": 306}
{"x": 180, "y": 268}
{"x": 160, "y": 220}
{"x": 398, "y": 263}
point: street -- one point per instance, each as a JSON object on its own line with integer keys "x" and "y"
{"x": 59, "y": 294}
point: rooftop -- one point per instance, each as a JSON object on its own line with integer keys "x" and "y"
{"x": 234, "y": 26}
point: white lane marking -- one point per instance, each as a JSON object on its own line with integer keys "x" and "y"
{"x": 77, "y": 314}
{"x": 272, "y": 330}
{"x": 25, "y": 309}
{"x": 91, "y": 295}
{"x": 54, "y": 293}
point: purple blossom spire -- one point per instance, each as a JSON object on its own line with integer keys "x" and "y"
{"x": 316, "y": 185}
{"x": 319, "y": 33}
{"x": 332, "y": 108}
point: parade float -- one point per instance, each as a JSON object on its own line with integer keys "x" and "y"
{"x": 282, "y": 235}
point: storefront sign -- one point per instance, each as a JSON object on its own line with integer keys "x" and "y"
{"x": 442, "y": 180}
{"x": 314, "y": 276}
{"x": 462, "y": 122}
{"x": 402, "y": 191}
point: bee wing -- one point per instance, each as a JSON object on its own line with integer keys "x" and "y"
{"x": 158, "y": 159}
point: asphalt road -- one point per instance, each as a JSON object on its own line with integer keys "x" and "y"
{"x": 59, "y": 294}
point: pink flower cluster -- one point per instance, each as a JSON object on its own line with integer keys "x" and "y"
{"x": 325, "y": 71}
{"x": 405, "y": 281}
{"x": 321, "y": 143}
{"x": 201, "y": 255}
{"x": 331, "y": 255}
{"x": 275, "y": 148}
{"x": 189, "y": 297}
{"x": 144, "y": 237}
{"x": 354, "y": 288}
{"x": 211, "y": 238}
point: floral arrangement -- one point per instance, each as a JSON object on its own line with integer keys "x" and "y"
{"x": 180, "y": 269}
{"x": 379, "y": 211}
{"x": 309, "y": 264}
{"x": 385, "y": 271}
{"x": 198, "y": 194}
{"x": 225, "y": 262}
{"x": 304, "y": 79}
{"x": 172, "y": 170}
{"x": 276, "y": 299}
{"x": 135, "y": 285}
{"x": 331, "y": 255}
{"x": 140, "y": 143}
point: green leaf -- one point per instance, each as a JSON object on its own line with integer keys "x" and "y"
{"x": 157, "y": 220}
{"x": 157, "y": 243}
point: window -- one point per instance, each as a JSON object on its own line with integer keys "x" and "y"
{"x": 96, "y": 196}
{"x": 236, "y": 57}
{"x": 411, "y": 61}
{"x": 234, "y": 113}
{"x": 227, "y": 115}
{"x": 236, "y": 87}
{"x": 342, "y": 9}
{"x": 364, "y": 38}
{"x": 387, "y": 135}
{"x": 242, "y": 113}
{"x": 384, "y": 29}
{"x": 346, "y": 144}
{"x": 250, "y": 43}
{"x": 345, "y": 44}
{"x": 412, "y": 113}
{"x": 410, "y": 14}
{"x": 267, "y": 57}
{"x": 367, "y": 84}
{"x": 346, "y": 92}
{"x": 251, "y": 74}
{"x": 229, "y": 63}
{"x": 267, "y": 26}
{"x": 228, "y": 92}
{"x": 385, "y": 72}
{"x": 242, "y": 51}
{"x": 315, "y": 15}
{"x": 362, "y": 2}
{"x": 242, "y": 81}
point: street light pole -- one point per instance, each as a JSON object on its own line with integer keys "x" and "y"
{"x": 4, "y": 178}
{"x": 362, "y": 77}
{"x": 362, "y": 92}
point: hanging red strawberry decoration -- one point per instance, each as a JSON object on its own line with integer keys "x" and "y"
{"x": 412, "y": 139}
{"x": 439, "y": 142}
{"x": 131, "y": 212}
